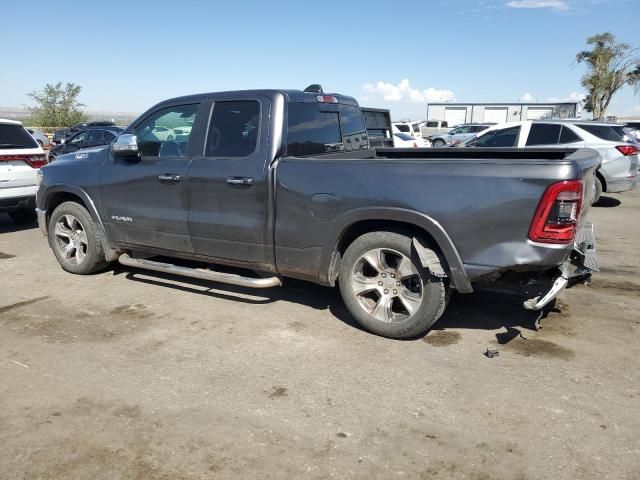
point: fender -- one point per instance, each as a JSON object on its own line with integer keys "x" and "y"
{"x": 459, "y": 278}
{"x": 51, "y": 190}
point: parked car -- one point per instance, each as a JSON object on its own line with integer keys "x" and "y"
{"x": 88, "y": 138}
{"x": 20, "y": 159}
{"x": 396, "y": 229}
{"x": 60, "y": 135}
{"x": 410, "y": 128}
{"x": 404, "y": 140}
{"x": 460, "y": 134}
{"x": 619, "y": 169}
{"x": 434, "y": 127}
{"x": 39, "y": 137}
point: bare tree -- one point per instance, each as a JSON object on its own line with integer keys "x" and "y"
{"x": 610, "y": 66}
{"x": 57, "y": 105}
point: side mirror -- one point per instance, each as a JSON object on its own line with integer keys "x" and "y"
{"x": 125, "y": 146}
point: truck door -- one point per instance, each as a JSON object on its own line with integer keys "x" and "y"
{"x": 229, "y": 187}
{"x": 144, "y": 198}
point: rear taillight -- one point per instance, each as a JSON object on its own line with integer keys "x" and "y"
{"x": 556, "y": 217}
{"x": 34, "y": 161}
{"x": 415, "y": 145}
{"x": 627, "y": 150}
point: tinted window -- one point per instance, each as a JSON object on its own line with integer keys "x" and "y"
{"x": 312, "y": 132}
{"x": 432, "y": 124}
{"x": 568, "y": 136}
{"x": 543, "y": 134}
{"x": 445, "y": 124}
{"x": 416, "y": 128}
{"x": 404, "y": 128}
{"x": 403, "y": 136}
{"x": 603, "y": 132}
{"x": 108, "y": 136}
{"x": 478, "y": 128}
{"x": 95, "y": 136}
{"x": 354, "y": 133}
{"x": 179, "y": 119}
{"x": 499, "y": 138}
{"x": 234, "y": 129}
{"x": 15, "y": 136}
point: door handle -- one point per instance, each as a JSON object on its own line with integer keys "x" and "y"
{"x": 170, "y": 178}
{"x": 244, "y": 181}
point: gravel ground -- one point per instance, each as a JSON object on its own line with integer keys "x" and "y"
{"x": 133, "y": 375}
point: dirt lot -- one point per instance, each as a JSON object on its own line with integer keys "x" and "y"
{"x": 140, "y": 376}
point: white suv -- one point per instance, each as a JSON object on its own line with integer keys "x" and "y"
{"x": 20, "y": 159}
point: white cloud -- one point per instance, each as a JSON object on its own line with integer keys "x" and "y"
{"x": 557, "y": 5}
{"x": 572, "y": 97}
{"x": 403, "y": 92}
{"x": 527, "y": 97}
{"x": 576, "y": 97}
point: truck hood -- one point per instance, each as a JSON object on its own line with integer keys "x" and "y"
{"x": 87, "y": 156}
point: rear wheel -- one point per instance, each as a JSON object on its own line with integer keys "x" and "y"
{"x": 22, "y": 217}
{"x": 386, "y": 289}
{"x": 75, "y": 239}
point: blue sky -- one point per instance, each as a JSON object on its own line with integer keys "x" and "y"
{"x": 398, "y": 55}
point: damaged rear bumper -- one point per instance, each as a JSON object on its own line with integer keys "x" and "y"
{"x": 576, "y": 270}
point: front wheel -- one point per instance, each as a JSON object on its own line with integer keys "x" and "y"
{"x": 387, "y": 290}
{"x": 75, "y": 239}
{"x": 438, "y": 143}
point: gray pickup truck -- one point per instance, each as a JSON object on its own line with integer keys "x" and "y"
{"x": 284, "y": 184}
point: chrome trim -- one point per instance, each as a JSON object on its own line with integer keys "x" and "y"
{"x": 200, "y": 273}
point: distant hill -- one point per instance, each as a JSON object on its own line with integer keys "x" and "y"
{"x": 120, "y": 118}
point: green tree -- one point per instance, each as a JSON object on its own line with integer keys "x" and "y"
{"x": 57, "y": 105}
{"x": 610, "y": 66}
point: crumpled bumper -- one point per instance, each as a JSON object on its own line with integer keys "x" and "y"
{"x": 576, "y": 270}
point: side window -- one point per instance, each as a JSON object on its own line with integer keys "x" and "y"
{"x": 80, "y": 138}
{"x": 444, "y": 125}
{"x": 95, "y": 136}
{"x": 179, "y": 120}
{"x": 569, "y": 136}
{"x": 432, "y": 124}
{"x": 108, "y": 136}
{"x": 312, "y": 132}
{"x": 234, "y": 129}
{"x": 499, "y": 138}
{"x": 354, "y": 133}
{"x": 543, "y": 134}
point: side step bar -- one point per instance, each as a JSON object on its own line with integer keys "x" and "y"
{"x": 200, "y": 273}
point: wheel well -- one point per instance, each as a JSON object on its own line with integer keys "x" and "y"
{"x": 59, "y": 198}
{"x": 602, "y": 180}
{"x": 366, "y": 226}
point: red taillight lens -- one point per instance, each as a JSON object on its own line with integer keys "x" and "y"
{"x": 415, "y": 145}
{"x": 34, "y": 161}
{"x": 627, "y": 150}
{"x": 556, "y": 217}
{"x": 326, "y": 99}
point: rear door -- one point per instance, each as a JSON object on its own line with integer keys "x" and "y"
{"x": 229, "y": 187}
{"x": 144, "y": 198}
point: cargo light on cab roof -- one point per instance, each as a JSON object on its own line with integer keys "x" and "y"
{"x": 327, "y": 99}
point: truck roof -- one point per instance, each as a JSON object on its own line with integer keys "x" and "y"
{"x": 290, "y": 95}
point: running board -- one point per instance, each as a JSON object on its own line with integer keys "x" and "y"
{"x": 200, "y": 273}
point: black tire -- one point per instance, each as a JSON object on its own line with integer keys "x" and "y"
{"x": 433, "y": 298}
{"x": 93, "y": 253}
{"x": 598, "y": 192}
{"x": 22, "y": 217}
{"x": 438, "y": 143}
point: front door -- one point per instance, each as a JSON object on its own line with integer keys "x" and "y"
{"x": 229, "y": 192}
{"x": 144, "y": 198}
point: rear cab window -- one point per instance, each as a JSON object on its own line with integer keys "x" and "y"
{"x": 314, "y": 131}
{"x": 15, "y": 136}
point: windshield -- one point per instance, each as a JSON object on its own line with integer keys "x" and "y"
{"x": 15, "y": 136}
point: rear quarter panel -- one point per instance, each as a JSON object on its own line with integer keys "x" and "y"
{"x": 484, "y": 205}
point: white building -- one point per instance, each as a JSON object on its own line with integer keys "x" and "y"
{"x": 457, "y": 113}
